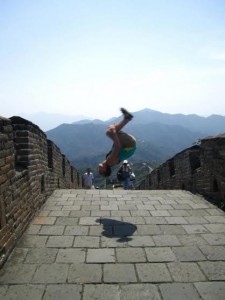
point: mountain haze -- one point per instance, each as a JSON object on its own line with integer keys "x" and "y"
{"x": 213, "y": 124}
{"x": 159, "y": 136}
{"x": 48, "y": 121}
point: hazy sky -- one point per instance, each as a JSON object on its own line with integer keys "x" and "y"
{"x": 91, "y": 57}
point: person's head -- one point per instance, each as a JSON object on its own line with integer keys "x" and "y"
{"x": 88, "y": 170}
{"x": 104, "y": 170}
{"x": 125, "y": 162}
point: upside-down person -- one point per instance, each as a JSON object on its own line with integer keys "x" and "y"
{"x": 124, "y": 145}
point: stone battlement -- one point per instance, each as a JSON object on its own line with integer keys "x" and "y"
{"x": 199, "y": 169}
{"x": 31, "y": 168}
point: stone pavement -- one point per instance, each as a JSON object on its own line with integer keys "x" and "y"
{"x": 116, "y": 244}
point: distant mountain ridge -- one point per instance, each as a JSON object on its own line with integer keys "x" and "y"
{"x": 88, "y": 121}
{"x": 208, "y": 125}
{"x": 159, "y": 136}
{"x": 211, "y": 124}
{"x": 48, "y": 121}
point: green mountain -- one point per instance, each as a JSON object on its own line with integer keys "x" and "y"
{"x": 85, "y": 143}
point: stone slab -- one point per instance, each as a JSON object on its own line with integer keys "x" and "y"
{"x": 86, "y": 244}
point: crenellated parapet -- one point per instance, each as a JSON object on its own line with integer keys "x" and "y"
{"x": 31, "y": 168}
{"x": 199, "y": 169}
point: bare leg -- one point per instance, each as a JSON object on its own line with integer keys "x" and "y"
{"x": 121, "y": 124}
{"x": 127, "y": 117}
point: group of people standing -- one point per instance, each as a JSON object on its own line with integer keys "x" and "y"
{"x": 126, "y": 176}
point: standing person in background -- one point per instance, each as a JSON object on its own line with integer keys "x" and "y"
{"x": 88, "y": 178}
{"x": 125, "y": 170}
{"x": 124, "y": 145}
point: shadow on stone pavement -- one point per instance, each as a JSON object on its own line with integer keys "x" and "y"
{"x": 117, "y": 229}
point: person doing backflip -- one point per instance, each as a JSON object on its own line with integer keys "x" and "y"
{"x": 124, "y": 145}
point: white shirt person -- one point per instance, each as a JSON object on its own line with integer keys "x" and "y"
{"x": 88, "y": 178}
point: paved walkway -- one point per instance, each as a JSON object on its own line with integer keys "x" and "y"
{"x": 111, "y": 245}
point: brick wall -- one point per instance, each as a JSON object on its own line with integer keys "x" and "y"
{"x": 199, "y": 169}
{"x": 31, "y": 168}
